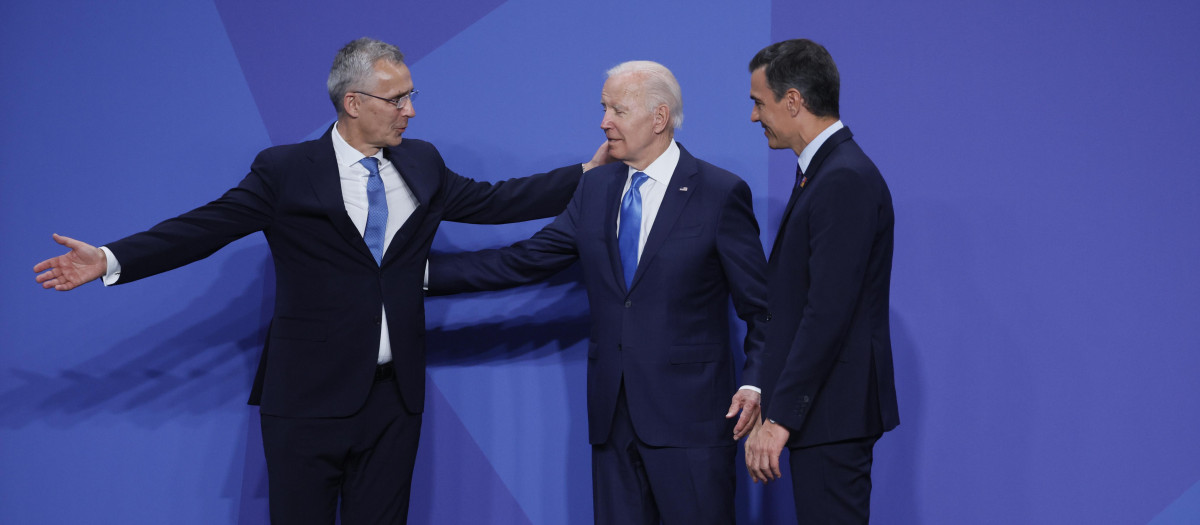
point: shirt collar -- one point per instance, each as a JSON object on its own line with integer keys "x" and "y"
{"x": 347, "y": 156}
{"x": 663, "y": 167}
{"x": 809, "y": 151}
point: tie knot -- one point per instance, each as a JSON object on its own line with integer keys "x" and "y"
{"x": 638, "y": 179}
{"x": 371, "y": 163}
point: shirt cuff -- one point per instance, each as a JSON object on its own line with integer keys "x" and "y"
{"x": 751, "y": 388}
{"x": 113, "y": 272}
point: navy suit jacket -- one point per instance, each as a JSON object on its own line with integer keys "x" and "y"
{"x": 667, "y": 336}
{"x": 829, "y": 274}
{"x": 323, "y": 342}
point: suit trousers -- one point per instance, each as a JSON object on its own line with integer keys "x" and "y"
{"x": 832, "y": 482}
{"x": 367, "y": 459}
{"x": 637, "y": 484}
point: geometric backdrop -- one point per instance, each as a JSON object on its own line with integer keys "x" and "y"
{"x": 1042, "y": 157}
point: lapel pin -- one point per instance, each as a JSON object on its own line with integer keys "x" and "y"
{"x": 683, "y": 188}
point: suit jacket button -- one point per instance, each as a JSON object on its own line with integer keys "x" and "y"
{"x": 628, "y": 303}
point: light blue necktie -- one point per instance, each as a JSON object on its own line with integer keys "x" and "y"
{"x": 377, "y": 210}
{"x": 631, "y": 227}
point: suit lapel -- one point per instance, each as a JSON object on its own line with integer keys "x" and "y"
{"x": 422, "y": 187}
{"x": 326, "y": 182}
{"x": 814, "y": 169}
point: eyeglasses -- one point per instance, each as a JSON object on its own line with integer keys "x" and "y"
{"x": 400, "y": 103}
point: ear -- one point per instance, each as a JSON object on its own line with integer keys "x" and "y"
{"x": 795, "y": 101}
{"x": 350, "y": 103}
{"x": 662, "y": 115}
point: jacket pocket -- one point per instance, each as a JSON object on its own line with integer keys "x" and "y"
{"x": 686, "y": 232}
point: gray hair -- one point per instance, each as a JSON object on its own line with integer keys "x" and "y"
{"x": 355, "y": 64}
{"x": 658, "y": 84}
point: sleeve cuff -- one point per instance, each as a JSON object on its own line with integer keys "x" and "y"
{"x": 113, "y": 272}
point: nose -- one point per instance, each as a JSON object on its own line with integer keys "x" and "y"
{"x": 754, "y": 114}
{"x": 408, "y": 110}
{"x": 606, "y": 122}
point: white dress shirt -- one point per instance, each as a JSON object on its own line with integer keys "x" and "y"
{"x": 401, "y": 203}
{"x": 652, "y": 191}
{"x": 353, "y": 175}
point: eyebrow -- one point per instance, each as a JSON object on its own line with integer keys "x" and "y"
{"x": 401, "y": 95}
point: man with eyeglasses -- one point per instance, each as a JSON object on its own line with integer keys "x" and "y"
{"x": 349, "y": 218}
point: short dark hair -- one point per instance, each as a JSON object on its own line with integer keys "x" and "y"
{"x": 806, "y": 66}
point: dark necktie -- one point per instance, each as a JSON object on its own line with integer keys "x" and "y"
{"x": 377, "y": 209}
{"x": 631, "y": 227}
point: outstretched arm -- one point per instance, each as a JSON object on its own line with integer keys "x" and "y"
{"x": 549, "y": 251}
{"x": 83, "y": 264}
{"x": 515, "y": 200}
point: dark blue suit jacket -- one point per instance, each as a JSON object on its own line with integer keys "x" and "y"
{"x": 829, "y": 275}
{"x": 323, "y": 343}
{"x": 667, "y": 337}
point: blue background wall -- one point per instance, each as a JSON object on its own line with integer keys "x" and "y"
{"x": 1042, "y": 158}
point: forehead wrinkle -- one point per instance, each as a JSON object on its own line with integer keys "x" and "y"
{"x": 386, "y": 72}
{"x": 626, "y": 86}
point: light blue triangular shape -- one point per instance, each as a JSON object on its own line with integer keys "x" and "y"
{"x": 1183, "y": 511}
